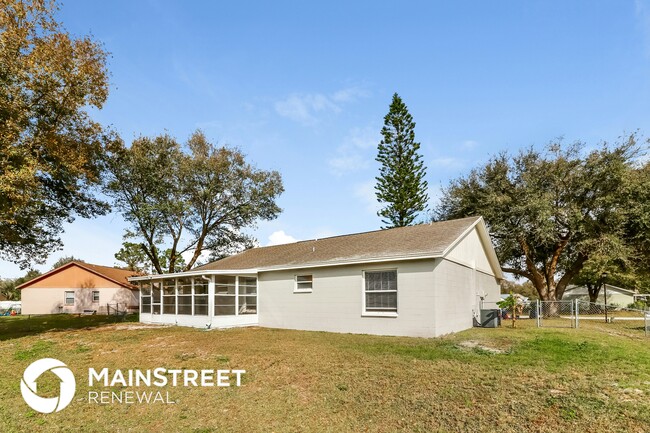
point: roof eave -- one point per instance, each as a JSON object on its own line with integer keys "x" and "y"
{"x": 289, "y": 267}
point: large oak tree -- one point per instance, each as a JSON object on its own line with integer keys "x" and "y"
{"x": 549, "y": 211}
{"x": 50, "y": 149}
{"x": 189, "y": 200}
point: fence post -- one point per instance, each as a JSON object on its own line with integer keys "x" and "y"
{"x": 577, "y": 308}
{"x": 538, "y": 307}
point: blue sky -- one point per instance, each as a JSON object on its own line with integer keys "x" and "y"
{"x": 302, "y": 88}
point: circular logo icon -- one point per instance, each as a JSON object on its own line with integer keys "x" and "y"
{"x": 51, "y": 404}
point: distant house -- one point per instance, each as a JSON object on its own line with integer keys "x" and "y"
{"x": 424, "y": 280}
{"x": 616, "y": 296}
{"x": 77, "y": 286}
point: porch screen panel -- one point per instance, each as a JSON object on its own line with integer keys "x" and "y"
{"x": 169, "y": 296}
{"x": 155, "y": 296}
{"x": 224, "y": 298}
{"x": 184, "y": 295}
{"x": 247, "y": 295}
{"x": 145, "y": 296}
{"x": 200, "y": 297}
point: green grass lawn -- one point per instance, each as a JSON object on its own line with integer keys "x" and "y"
{"x": 524, "y": 379}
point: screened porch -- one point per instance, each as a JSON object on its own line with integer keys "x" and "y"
{"x": 199, "y": 300}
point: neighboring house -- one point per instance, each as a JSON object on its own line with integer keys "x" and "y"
{"x": 77, "y": 286}
{"x": 615, "y": 295}
{"x": 425, "y": 280}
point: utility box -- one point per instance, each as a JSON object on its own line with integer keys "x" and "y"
{"x": 489, "y": 318}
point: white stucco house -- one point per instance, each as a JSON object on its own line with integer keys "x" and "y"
{"x": 616, "y": 296}
{"x": 424, "y": 281}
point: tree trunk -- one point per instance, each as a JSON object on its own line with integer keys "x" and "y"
{"x": 594, "y": 290}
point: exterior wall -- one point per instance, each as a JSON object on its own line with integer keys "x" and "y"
{"x": 74, "y": 277}
{"x": 200, "y": 321}
{"x": 51, "y": 300}
{"x": 457, "y": 298}
{"x": 335, "y": 303}
{"x": 468, "y": 283}
{"x": 470, "y": 251}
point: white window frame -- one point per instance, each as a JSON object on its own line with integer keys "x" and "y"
{"x": 365, "y": 313}
{"x": 295, "y": 283}
{"x": 95, "y": 301}
{"x": 65, "y": 297}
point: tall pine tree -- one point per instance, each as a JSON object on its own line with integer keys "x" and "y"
{"x": 400, "y": 187}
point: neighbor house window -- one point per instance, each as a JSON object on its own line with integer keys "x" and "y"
{"x": 247, "y": 295}
{"x": 95, "y": 296}
{"x": 145, "y": 297}
{"x": 200, "y": 297}
{"x": 69, "y": 298}
{"x": 225, "y": 295}
{"x": 380, "y": 292}
{"x": 184, "y": 296}
{"x": 304, "y": 283}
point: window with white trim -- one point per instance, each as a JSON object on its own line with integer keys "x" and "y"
{"x": 304, "y": 283}
{"x": 69, "y": 298}
{"x": 95, "y": 296}
{"x": 380, "y": 291}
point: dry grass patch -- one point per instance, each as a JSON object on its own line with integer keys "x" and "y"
{"x": 509, "y": 380}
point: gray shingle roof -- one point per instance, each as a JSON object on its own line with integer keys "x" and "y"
{"x": 420, "y": 240}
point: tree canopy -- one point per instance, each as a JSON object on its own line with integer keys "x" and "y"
{"x": 549, "y": 211}
{"x": 400, "y": 188}
{"x": 51, "y": 152}
{"x": 133, "y": 255}
{"x": 188, "y": 200}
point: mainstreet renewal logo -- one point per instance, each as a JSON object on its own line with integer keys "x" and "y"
{"x": 157, "y": 377}
{"x": 43, "y": 404}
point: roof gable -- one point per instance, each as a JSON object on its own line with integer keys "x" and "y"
{"x": 116, "y": 276}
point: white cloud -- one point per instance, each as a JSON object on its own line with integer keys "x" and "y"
{"x": 280, "y": 237}
{"x": 354, "y": 153}
{"x": 303, "y": 108}
{"x": 366, "y": 193}
{"x": 469, "y": 144}
{"x": 643, "y": 22}
{"x": 349, "y": 95}
{"x": 347, "y": 163}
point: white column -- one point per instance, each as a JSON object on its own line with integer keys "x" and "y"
{"x": 211, "y": 291}
{"x": 237, "y": 295}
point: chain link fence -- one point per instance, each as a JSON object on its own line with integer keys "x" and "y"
{"x": 556, "y": 314}
{"x": 582, "y": 314}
